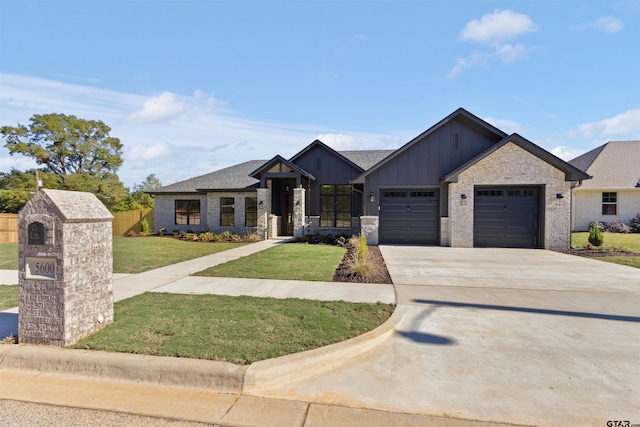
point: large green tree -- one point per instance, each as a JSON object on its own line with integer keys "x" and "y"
{"x": 80, "y": 152}
{"x": 138, "y": 197}
{"x": 16, "y": 188}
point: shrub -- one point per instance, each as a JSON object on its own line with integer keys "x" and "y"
{"x": 595, "y": 236}
{"x": 596, "y": 224}
{"x": 616, "y": 226}
{"x": 144, "y": 227}
{"x": 207, "y": 236}
{"x": 634, "y": 222}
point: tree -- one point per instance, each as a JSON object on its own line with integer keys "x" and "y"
{"x": 16, "y": 188}
{"x": 66, "y": 145}
{"x": 139, "y": 198}
{"x": 80, "y": 153}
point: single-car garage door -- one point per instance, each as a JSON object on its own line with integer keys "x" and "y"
{"x": 507, "y": 217}
{"x": 409, "y": 216}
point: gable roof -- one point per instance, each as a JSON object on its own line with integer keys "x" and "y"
{"x": 366, "y": 158}
{"x": 231, "y": 178}
{"x": 279, "y": 159}
{"x": 459, "y": 114}
{"x": 318, "y": 143}
{"x": 571, "y": 173}
{"x": 614, "y": 165}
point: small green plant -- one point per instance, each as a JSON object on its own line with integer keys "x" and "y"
{"x": 362, "y": 249}
{"x": 595, "y": 236}
{"x": 144, "y": 227}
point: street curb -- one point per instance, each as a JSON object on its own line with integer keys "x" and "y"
{"x": 268, "y": 374}
{"x": 222, "y": 377}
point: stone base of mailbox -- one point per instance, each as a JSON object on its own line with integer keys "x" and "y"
{"x": 65, "y": 260}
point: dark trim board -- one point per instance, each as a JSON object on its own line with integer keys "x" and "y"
{"x": 507, "y": 216}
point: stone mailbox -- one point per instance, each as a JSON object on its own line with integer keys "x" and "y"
{"x": 65, "y": 261}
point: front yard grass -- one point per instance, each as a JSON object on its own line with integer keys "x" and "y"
{"x": 8, "y": 297}
{"x": 287, "y": 261}
{"x": 626, "y": 242}
{"x": 8, "y": 256}
{"x": 239, "y": 330}
{"x": 138, "y": 254}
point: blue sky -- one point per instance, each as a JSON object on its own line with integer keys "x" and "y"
{"x": 193, "y": 86}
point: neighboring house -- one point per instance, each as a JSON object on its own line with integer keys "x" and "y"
{"x": 613, "y": 193}
{"x": 461, "y": 183}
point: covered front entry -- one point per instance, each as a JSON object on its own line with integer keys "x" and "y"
{"x": 507, "y": 217}
{"x": 409, "y": 216}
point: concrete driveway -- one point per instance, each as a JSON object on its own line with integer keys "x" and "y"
{"x": 526, "y": 337}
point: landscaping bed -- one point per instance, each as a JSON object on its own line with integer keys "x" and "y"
{"x": 378, "y": 274}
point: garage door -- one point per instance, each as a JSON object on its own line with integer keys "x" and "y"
{"x": 408, "y": 216}
{"x": 507, "y": 217}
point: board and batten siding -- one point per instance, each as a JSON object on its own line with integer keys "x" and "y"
{"x": 427, "y": 160}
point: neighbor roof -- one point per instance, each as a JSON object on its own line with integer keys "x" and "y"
{"x": 614, "y": 165}
{"x": 231, "y": 178}
{"x": 571, "y": 173}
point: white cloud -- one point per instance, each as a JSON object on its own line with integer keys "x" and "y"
{"x": 493, "y": 28}
{"x": 201, "y": 138}
{"x": 625, "y": 124}
{"x": 339, "y": 141}
{"x": 505, "y": 125}
{"x": 608, "y": 24}
{"x": 162, "y": 107}
{"x": 567, "y": 153}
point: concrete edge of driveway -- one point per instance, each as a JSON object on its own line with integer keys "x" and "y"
{"x": 221, "y": 377}
{"x": 267, "y": 374}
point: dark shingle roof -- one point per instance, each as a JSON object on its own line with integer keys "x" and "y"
{"x": 366, "y": 158}
{"x": 615, "y": 164}
{"x": 233, "y": 177}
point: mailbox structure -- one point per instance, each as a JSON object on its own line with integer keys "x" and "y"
{"x": 65, "y": 259}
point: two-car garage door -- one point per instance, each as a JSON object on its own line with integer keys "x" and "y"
{"x": 507, "y": 217}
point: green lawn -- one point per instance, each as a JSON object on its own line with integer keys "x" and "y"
{"x": 627, "y": 242}
{"x": 617, "y": 240}
{"x": 8, "y": 256}
{"x": 137, "y": 254}
{"x": 8, "y": 297}
{"x": 287, "y": 261}
{"x": 239, "y": 330}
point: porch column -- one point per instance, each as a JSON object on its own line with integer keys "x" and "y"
{"x": 264, "y": 208}
{"x": 298, "y": 211}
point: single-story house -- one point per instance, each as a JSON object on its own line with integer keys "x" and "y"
{"x": 614, "y": 191}
{"x": 460, "y": 183}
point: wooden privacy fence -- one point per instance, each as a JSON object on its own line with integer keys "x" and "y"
{"x": 123, "y": 223}
{"x": 8, "y": 228}
{"x": 126, "y": 222}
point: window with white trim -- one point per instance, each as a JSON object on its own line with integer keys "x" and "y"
{"x": 609, "y": 203}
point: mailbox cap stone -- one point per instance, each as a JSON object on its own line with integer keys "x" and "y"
{"x": 69, "y": 206}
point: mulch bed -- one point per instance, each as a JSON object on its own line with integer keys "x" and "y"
{"x": 590, "y": 253}
{"x": 380, "y": 273}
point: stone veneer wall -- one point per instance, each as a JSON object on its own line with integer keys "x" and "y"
{"x": 79, "y": 299}
{"x": 214, "y": 209}
{"x": 164, "y": 212}
{"x": 369, "y": 228}
{"x": 512, "y": 165}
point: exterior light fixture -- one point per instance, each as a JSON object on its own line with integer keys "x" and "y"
{"x": 261, "y": 202}
{"x": 371, "y": 197}
{"x": 463, "y": 196}
{"x": 559, "y": 196}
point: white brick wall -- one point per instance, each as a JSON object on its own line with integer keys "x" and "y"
{"x": 512, "y": 165}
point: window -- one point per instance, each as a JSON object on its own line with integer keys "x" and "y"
{"x": 226, "y": 211}
{"x": 187, "y": 212}
{"x": 609, "y": 203}
{"x": 335, "y": 206}
{"x": 251, "y": 212}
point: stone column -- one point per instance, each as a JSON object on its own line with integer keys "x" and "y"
{"x": 264, "y": 207}
{"x": 298, "y": 211}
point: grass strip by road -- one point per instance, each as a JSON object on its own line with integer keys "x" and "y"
{"x": 288, "y": 261}
{"x": 138, "y": 254}
{"x": 239, "y": 330}
{"x": 8, "y": 297}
